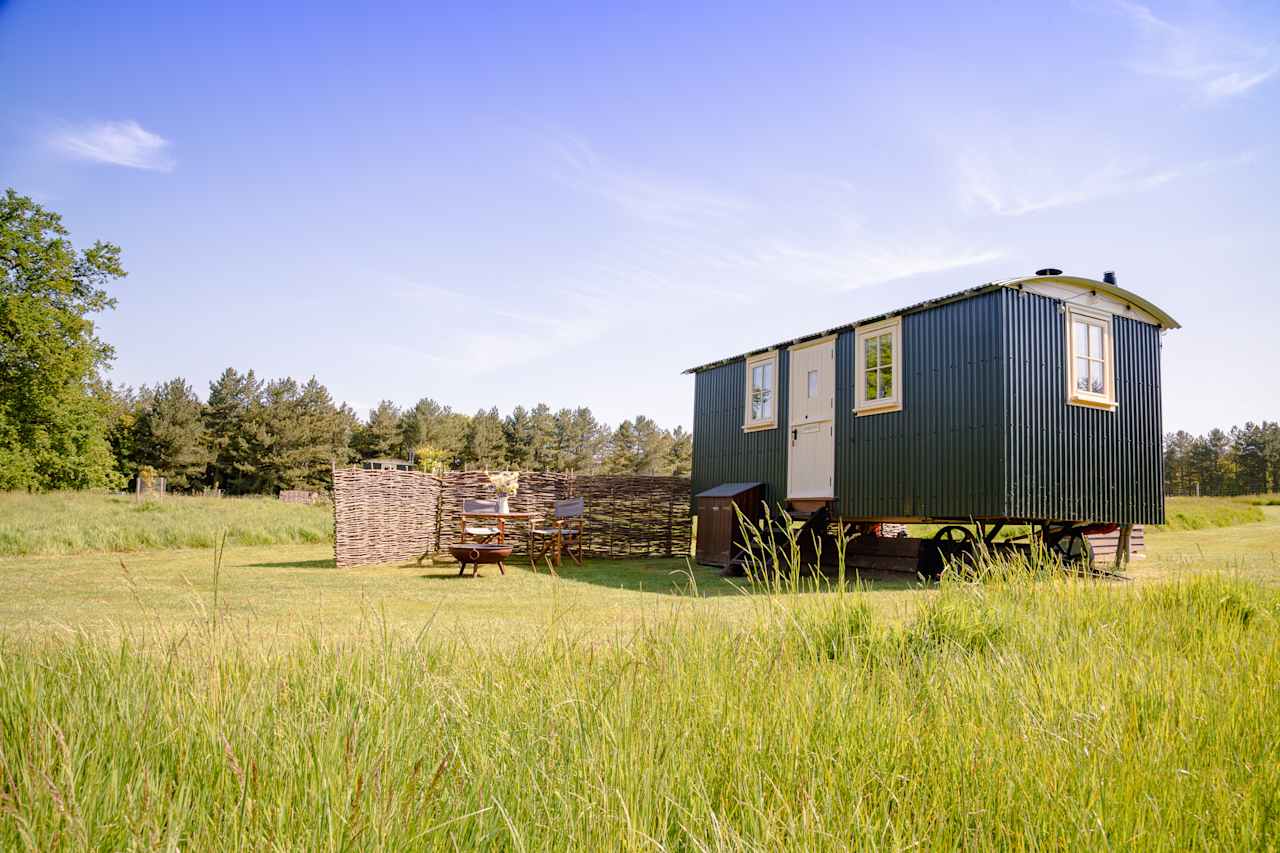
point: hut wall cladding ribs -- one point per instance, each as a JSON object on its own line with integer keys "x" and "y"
{"x": 394, "y": 516}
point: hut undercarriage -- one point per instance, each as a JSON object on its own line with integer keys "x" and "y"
{"x": 882, "y": 545}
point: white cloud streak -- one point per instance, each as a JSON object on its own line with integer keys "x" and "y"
{"x": 119, "y": 143}
{"x": 753, "y": 246}
{"x": 1215, "y": 64}
{"x": 1012, "y": 186}
{"x": 659, "y": 201}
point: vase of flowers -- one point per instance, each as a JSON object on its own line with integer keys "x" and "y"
{"x": 506, "y": 484}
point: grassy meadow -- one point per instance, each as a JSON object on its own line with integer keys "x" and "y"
{"x": 84, "y": 522}
{"x": 166, "y": 699}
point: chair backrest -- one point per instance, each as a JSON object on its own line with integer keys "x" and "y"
{"x": 571, "y": 508}
{"x": 477, "y": 505}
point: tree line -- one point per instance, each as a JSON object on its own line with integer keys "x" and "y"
{"x": 1244, "y": 460}
{"x": 62, "y": 426}
{"x": 252, "y": 436}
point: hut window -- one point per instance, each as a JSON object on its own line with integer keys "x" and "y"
{"x": 1090, "y": 359}
{"x": 878, "y": 369}
{"x": 762, "y": 392}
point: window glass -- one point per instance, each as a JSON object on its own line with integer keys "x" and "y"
{"x": 761, "y": 396}
{"x": 1090, "y": 372}
{"x": 813, "y": 383}
{"x": 879, "y": 367}
{"x": 1097, "y": 382}
{"x": 877, "y": 357}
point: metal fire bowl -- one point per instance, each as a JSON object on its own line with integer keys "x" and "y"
{"x": 476, "y": 552}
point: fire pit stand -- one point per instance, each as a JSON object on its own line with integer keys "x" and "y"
{"x": 476, "y": 553}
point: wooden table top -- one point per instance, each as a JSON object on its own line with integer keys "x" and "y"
{"x": 518, "y": 516}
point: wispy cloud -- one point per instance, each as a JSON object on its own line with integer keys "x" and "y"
{"x": 1216, "y": 64}
{"x": 861, "y": 260}
{"x": 740, "y": 244}
{"x": 512, "y": 333}
{"x": 120, "y": 143}
{"x": 647, "y": 197}
{"x": 1013, "y": 186}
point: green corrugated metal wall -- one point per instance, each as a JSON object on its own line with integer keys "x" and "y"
{"x": 940, "y": 455}
{"x": 1072, "y": 462}
{"x": 722, "y": 452}
{"x": 985, "y": 429}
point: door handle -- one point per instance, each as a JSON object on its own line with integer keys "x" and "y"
{"x": 795, "y": 434}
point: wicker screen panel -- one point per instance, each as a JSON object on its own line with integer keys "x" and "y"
{"x": 384, "y": 516}
{"x": 394, "y": 516}
{"x": 633, "y": 516}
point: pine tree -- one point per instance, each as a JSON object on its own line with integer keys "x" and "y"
{"x": 624, "y": 452}
{"x": 680, "y": 455}
{"x": 486, "y": 444}
{"x": 170, "y": 434}
{"x": 305, "y": 436}
{"x": 517, "y": 431}
{"x": 380, "y": 437}
{"x": 542, "y": 449}
{"x": 435, "y": 426}
{"x": 232, "y": 432}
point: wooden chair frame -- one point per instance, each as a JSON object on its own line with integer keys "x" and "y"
{"x": 564, "y": 539}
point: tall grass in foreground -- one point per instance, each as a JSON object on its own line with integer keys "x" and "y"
{"x": 1052, "y": 713}
{"x": 80, "y": 522}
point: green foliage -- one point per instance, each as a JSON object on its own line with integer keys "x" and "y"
{"x": 431, "y": 459}
{"x": 52, "y": 422}
{"x": 380, "y": 437}
{"x": 1084, "y": 722}
{"x": 234, "y": 427}
{"x": 1245, "y": 460}
{"x": 435, "y": 425}
{"x": 170, "y": 435}
{"x": 82, "y": 522}
{"x": 486, "y": 443}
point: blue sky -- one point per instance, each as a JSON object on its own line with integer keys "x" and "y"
{"x": 571, "y": 203}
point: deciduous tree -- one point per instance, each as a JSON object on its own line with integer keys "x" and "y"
{"x": 53, "y": 427}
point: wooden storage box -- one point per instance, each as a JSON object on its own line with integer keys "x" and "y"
{"x": 719, "y": 536}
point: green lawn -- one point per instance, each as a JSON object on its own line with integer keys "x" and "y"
{"x": 85, "y": 522}
{"x": 276, "y": 702}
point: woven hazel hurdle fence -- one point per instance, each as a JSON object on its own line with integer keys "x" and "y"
{"x": 392, "y": 516}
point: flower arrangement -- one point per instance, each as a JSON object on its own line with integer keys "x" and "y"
{"x": 505, "y": 483}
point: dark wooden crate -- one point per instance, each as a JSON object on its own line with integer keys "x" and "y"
{"x": 720, "y": 535}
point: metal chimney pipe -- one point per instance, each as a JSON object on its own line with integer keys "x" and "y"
{"x": 1109, "y": 277}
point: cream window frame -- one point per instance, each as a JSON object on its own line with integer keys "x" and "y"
{"x": 892, "y": 403}
{"x": 1105, "y": 322}
{"x": 764, "y": 359}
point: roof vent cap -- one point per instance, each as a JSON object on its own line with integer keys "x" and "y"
{"x": 1109, "y": 277}
{"x": 1048, "y": 271}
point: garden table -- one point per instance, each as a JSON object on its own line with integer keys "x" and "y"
{"x": 526, "y": 518}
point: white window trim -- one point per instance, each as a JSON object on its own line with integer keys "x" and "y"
{"x": 749, "y": 425}
{"x": 863, "y": 406}
{"x": 1106, "y": 401}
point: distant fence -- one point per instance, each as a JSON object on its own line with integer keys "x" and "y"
{"x": 392, "y": 516}
{"x": 299, "y": 496}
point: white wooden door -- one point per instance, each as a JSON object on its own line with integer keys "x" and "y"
{"x": 811, "y": 407}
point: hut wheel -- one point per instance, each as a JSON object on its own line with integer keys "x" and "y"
{"x": 954, "y": 534}
{"x": 1075, "y": 548}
